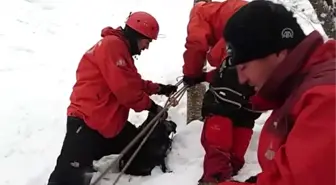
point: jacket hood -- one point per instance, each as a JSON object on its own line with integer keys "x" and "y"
{"x": 107, "y": 31}
{"x": 127, "y": 34}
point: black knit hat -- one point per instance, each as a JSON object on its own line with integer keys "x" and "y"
{"x": 259, "y": 29}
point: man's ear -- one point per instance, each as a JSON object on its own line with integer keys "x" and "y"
{"x": 282, "y": 54}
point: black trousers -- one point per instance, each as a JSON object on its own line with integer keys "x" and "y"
{"x": 81, "y": 146}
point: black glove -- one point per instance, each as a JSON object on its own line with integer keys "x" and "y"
{"x": 156, "y": 109}
{"x": 167, "y": 90}
{"x": 191, "y": 81}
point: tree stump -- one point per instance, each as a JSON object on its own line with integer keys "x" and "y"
{"x": 195, "y": 96}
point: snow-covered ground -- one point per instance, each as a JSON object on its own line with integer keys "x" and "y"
{"x": 41, "y": 43}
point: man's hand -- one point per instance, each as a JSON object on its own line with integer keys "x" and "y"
{"x": 166, "y": 90}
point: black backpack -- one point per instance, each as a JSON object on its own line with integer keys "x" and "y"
{"x": 226, "y": 97}
{"x": 153, "y": 152}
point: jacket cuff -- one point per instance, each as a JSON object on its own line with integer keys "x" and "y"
{"x": 210, "y": 75}
{"x": 154, "y": 88}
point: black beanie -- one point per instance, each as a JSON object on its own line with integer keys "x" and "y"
{"x": 259, "y": 29}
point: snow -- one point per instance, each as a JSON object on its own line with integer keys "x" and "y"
{"x": 42, "y": 42}
{"x": 186, "y": 159}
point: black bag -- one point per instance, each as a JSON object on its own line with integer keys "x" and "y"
{"x": 153, "y": 152}
{"x": 228, "y": 98}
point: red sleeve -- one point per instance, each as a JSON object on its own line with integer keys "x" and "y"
{"x": 125, "y": 83}
{"x": 198, "y": 36}
{"x": 217, "y": 54}
{"x": 308, "y": 156}
{"x": 150, "y": 87}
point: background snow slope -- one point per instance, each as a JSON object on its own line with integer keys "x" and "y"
{"x": 42, "y": 42}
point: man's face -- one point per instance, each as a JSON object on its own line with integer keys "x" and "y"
{"x": 256, "y": 72}
{"x": 143, "y": 44}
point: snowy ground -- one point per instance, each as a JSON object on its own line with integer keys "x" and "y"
{"x": 41, "y": 43}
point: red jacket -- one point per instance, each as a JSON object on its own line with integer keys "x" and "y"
{"x": 297, "y": 142}
{"x": 108, "y": 85}
{"x": 205, "y": 30}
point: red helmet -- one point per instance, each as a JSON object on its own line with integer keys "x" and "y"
{"x": 144, "y": 23}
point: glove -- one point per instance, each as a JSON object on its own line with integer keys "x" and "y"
{"x": 156, "y": 109}
{"x": 166, "y": 90}
{"x": 191, "y": 81}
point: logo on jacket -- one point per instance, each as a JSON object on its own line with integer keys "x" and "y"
{"x": 121, "y": 63}
{"x": 270, "y": 153}
{"x": 75, "y": 164}
{"x": 287, "y": 33}
{"x": 229, "y": 50}
{"x": 230, "y": 53}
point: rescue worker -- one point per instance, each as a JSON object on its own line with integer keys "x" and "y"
{"x": 229, "y": 121}
{"x": 107, "y": 87}
{"x": 294, "y": 75}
